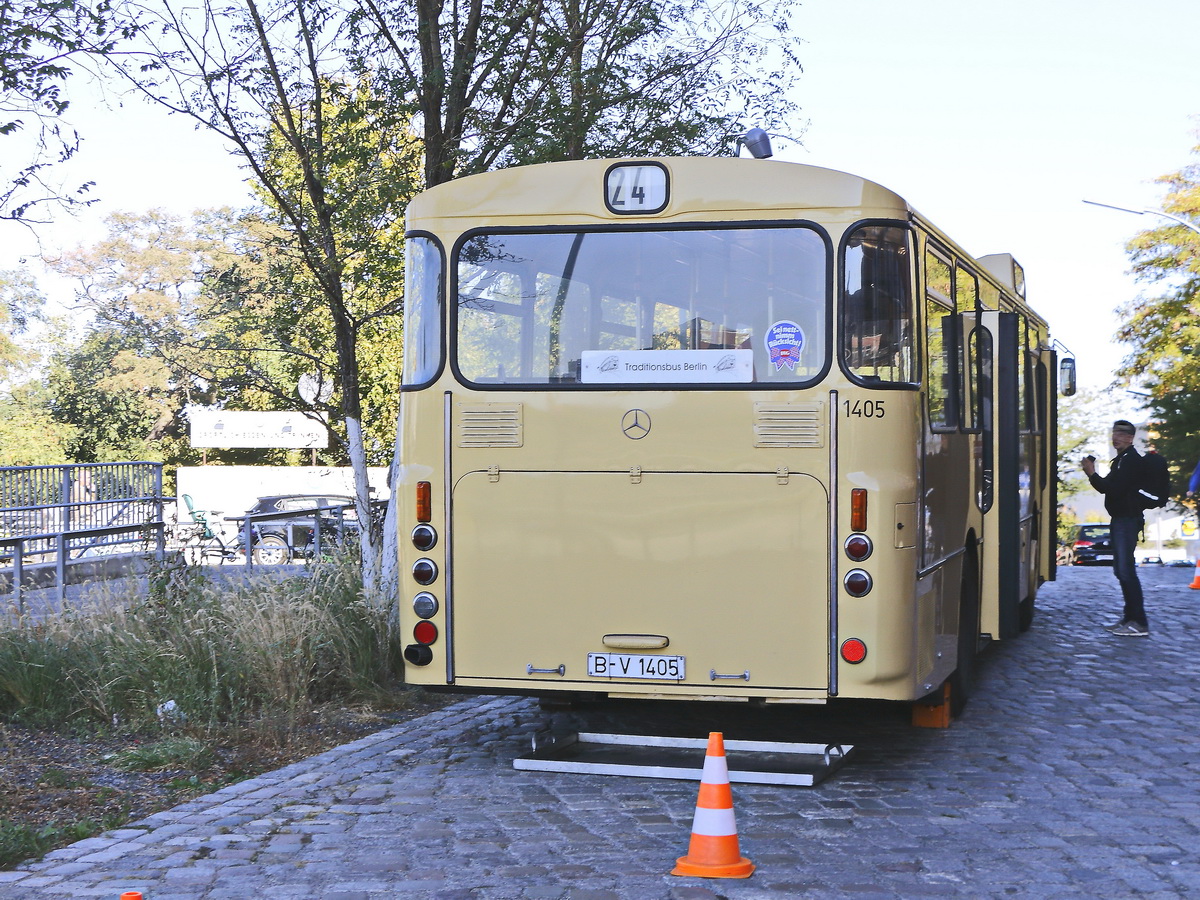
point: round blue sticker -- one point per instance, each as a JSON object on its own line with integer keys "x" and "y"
{"x": 784, "y": 341}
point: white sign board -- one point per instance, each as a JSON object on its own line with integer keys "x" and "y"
{"x": 666, "y": 366}
{"x": 286, "y": 430}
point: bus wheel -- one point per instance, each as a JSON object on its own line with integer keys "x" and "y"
{"x": 962, "y": 681}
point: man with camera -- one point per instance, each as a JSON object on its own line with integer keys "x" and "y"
{"x": 1121, "y": 499}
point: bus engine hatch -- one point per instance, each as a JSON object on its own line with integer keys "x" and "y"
{"x": 690, "y": 584}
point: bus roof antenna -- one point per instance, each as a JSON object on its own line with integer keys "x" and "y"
{"x": 757, "y": 142}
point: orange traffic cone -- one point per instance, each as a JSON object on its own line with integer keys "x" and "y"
{"x": 1195, "y": 585}
{"x": 132, "y": 895}
{"x": 713, "y": 851}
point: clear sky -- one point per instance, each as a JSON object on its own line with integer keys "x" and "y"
{"x": 994, "y": 120}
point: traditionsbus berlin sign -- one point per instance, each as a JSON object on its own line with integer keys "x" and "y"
{"x": 284, "y": 430}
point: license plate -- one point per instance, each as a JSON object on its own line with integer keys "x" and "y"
{"x": 635, "y": 665}
{"x": 1103, "y": 556}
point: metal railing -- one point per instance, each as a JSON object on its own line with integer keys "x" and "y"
{"x": 53, "y": 518}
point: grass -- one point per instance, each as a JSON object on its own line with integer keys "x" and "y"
{"x": 19, "y": 841}
{"x": 191, "y": 669}
{"x": 198, "y": 659}
{"x": 169, "y": 753}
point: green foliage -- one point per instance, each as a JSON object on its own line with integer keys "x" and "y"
{"x": 168, "y": 753}
{"x": 21, "y": 842}
{"x": 39, "y": 39}
{"x": 116, "y": 397}
{"x": 501, "y": 84}
{"x": 29, "y": 434}
{"x": 1163, "y": 332}
{"x": 20, "y": 303}
{"x": 201, "y": 659}
{"x": 1084, "y": 425}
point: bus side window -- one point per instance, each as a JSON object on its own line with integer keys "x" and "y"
{"x": 941, "y": 345}
{"x": 876, "y": 313}
{"x": 966, "y": 302}
{"x": 424, "y": 278}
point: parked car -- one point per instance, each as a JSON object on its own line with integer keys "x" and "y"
{"x": 280, "y": 540}
{"x": 1092, "y": 546}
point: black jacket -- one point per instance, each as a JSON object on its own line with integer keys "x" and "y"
{"x": 1120, "y": 485}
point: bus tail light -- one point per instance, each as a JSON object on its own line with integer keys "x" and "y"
{"x": 424, "y": 538}
{"x": 419, "y": 654}
{"x": 858, "y": 509}
{"x": 857, "y": 582}
{"x": 425, "y": 571}
{"x": 854, "y": 650}
{"x": 425, "y": 605}
{"x": 424, "y": 501}
{"x": 858, "y": 547}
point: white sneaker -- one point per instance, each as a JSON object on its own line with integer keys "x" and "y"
{"x": 1131, "y": 629}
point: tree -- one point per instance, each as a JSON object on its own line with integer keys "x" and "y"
{"x": 1163, "y": 332}
{"x": 40, "y": 40}
{"x": 1083, "y": 427}
{"x": 117, "y": 399}
{"x": 144, "y": 283}
{"x": 507, "y": 83}
{"x": 20, "y": 304}
{"x": 206, "y": 310}
{"x": 317, "y": 97}
{"x": 29, "y": 434}
{"x": 275, "y": 81}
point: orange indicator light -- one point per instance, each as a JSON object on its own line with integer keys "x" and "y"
{"x": 424, "y": 501}
{"x": 858, "y": 509}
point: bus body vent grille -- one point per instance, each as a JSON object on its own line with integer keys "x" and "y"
{"x": 789, "y": 424}
{"x": 490, "y": 425}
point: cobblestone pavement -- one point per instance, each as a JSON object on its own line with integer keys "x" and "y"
{"x": 1072, "y": 773}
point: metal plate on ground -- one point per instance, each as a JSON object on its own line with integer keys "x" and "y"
{"x": 650, "y": 756}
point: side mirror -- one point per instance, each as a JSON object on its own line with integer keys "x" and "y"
{"x": 1066, "y": 377}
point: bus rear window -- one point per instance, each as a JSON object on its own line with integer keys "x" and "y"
{"x": 687, "y": 306}
{"x": 876, "y": 321}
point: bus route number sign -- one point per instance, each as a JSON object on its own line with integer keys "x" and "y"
{"x": 636, "y": 188}
{"x": 636, "y": 665}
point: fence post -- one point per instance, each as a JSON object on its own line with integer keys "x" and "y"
{"x": 19, "y": 574}
{"x": 160, "y": 515}
{"x": 247, "y": 541}
{"x": 60, "y": 569}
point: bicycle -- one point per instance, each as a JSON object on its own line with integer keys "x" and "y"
{"x": 201, "y": 545}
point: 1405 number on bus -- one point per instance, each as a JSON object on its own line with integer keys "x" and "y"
{"x": 864, "y": 409}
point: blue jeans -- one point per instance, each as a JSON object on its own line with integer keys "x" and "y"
{"x": 1124, "y": 531}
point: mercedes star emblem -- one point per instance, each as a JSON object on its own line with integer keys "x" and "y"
{"x": 636, "y": 424}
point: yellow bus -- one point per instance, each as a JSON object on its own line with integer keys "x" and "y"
{"x": 713, "y": 429}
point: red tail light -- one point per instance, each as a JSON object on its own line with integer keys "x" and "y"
{"x": 854, "y": 650}
{"x": 858, "y": 547}
{"x": 857, "y": 582}
{"x": 425, "y": 632}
